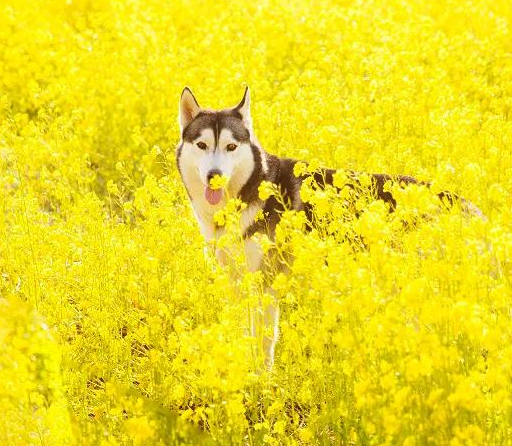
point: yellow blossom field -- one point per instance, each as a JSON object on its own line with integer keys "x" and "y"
{"x": 117, "y": 328}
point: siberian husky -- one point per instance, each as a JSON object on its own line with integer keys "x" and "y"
{"x": 222, "y": 142}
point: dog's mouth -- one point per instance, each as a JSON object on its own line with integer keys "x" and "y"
{"x": 213, "y": 196}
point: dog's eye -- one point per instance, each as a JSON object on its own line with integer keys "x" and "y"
{"x": 202, "y": 145}
{"x": 230, "y": 147}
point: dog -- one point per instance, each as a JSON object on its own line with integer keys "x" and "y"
{"x": 223, "y": 143}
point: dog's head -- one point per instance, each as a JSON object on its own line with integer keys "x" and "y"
{"x": 214, "y": 142}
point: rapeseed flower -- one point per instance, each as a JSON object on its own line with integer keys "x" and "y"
{"x": 117, "y": 324}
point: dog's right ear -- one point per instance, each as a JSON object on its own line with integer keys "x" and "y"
{"x": 244, "y": 108}
{"x": 189, "y": 108}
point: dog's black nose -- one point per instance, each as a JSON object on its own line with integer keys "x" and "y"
{"x": 212, "y": 173}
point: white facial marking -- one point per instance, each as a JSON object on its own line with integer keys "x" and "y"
{"x": 237, "y": 164}
{"x": 195, "y": 164}
{"x": 192, "y": 164}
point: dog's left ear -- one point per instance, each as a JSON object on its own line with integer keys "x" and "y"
{"x": 244, "y": 108}
{"x": 189, "y": 108}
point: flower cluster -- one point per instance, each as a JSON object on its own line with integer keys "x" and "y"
{"x": 117, "y": 328}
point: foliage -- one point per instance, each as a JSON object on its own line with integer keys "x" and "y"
{"x": 391, "y": 334}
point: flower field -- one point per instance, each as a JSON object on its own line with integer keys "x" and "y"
{"x": 117, "y": 328}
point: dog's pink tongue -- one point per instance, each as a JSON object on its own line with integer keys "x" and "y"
{"x": 213, "y": 196}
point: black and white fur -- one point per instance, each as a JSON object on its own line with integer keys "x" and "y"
{"x": 246, "y": 166}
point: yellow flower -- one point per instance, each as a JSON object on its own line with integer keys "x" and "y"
{"x": 139, "y": 429}
{"x": 219, "y": 181}
{"x": 112, "y": 188}
{"x": 266, "y": 190}
{"x": 299, "y": 169}
{"x": 340, "y": 179}
{"x": 394, "y": 327}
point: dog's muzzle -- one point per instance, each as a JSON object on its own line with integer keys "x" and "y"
{"x": 211, "y": 174}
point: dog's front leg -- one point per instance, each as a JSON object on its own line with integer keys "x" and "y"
{"x": 265, "y": 328}
{"x": 271, "y": 334}
{"x": 265, "y": 319}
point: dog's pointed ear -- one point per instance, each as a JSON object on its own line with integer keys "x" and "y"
{"x": 189, "y": 108}
{"x": 244, "y": 108}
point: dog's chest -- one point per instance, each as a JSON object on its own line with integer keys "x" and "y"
{"x": 253, "y": 253}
